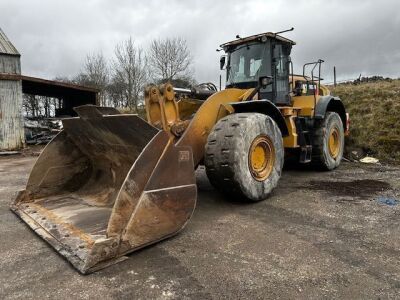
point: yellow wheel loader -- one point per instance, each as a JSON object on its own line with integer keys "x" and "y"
{"x": 112, "y": 183}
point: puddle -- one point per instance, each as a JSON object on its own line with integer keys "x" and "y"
{"x": 355, "y": 188}
{"x": 387, "y": 201}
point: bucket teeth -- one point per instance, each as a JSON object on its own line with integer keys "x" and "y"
{"x": 107, "y": 185}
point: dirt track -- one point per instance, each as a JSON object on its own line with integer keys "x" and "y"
{"x": 320, "y": 235}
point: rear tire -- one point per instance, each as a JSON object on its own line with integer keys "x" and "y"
{"x": 244, "y": 155}
{"x": 328, "y": 142}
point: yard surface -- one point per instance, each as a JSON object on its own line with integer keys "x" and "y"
{"x": 320, "y": 235}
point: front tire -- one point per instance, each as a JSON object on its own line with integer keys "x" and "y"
{"x": 244, "y": 155}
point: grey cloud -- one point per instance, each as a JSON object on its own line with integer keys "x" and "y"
{"x": 356, "y": 36}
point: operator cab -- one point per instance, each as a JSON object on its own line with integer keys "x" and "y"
{"x": 256, "y": 56}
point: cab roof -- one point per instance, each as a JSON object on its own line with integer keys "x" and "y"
{"x": 257, "y": 37}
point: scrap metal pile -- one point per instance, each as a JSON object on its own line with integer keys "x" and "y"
{"x": 40, "y": 131}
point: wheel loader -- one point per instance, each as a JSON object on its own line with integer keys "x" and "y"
{"x": 110, "y": 183}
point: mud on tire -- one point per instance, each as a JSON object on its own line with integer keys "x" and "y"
{"x": 227, "y": 159}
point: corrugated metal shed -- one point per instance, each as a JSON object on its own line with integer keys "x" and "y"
{"x": 11, "y": 120}
{"x": 6, "y": 47}
{"x": 13, "y": 85}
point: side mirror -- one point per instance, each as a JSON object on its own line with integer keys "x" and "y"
{"x": 222, "y": 62}
{"x": 264, "y": 81}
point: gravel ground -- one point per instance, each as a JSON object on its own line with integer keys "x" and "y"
{"x": 320, "y": 235}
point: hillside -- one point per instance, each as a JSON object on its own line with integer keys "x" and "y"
{"x": 374, "y": 109}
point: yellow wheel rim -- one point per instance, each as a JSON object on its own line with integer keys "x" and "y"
{"x": 261, "y": 157}
{"x": 334, "y": 142}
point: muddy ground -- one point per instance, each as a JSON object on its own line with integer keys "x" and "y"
{"x": 320, "y": 235}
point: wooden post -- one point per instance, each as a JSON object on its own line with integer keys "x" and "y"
{"x": 334, "y": 76}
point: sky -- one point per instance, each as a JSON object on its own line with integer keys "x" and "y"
{"x": 356, "y": 36}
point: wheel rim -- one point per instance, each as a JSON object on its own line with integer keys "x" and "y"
{"x": 261, "y": 157}
{"x": 334, "y": 142}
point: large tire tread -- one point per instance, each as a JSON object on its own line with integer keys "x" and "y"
{"x": 222, "y": 157}
{"x": 321, "y": 159}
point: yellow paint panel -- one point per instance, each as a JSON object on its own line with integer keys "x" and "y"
{"x": 305, "y": 103}
{"x": 290, "y": 141}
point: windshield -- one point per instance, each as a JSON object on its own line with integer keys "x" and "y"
{"x": 247, "y": 63}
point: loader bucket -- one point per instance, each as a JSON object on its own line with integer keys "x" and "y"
{"x": 107, "y": 185}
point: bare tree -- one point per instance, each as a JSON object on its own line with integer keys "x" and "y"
{"x": 170, "y": 58}
{"x": 95, "y": 74}
{"x": 30, "y": 105}
{"x": 115, "y": 92}
{"x": 36, "y": 106}
{"x": 130, "y": 72}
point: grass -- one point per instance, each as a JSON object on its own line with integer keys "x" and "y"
{"x": 374, "y": 109}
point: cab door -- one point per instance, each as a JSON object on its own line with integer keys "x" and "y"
{"x": 280, "y": 66}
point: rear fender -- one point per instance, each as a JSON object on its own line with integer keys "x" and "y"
{"x": 330, "y": 103}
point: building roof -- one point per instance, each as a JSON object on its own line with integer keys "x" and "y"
{"x": 72, "y": 95}
{"x": 46, "y": 87}
{"x": 56, "y": 83}
{"x": 256, "y": 37}
{"x": 6, "y": 47}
